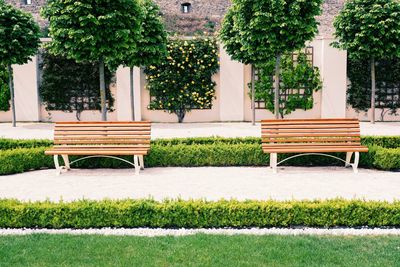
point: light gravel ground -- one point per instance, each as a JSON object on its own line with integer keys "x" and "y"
{"x": 203, "y": 183}
{"x": 229, "y": 232}
{"x": 170, "y": 130}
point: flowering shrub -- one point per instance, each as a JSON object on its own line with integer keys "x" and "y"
{"x": 4, "y": 90}
{"x": 183, "y": 81}
{"x": 299, "y": 80}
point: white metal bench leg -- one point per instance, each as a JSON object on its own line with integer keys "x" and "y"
{"x": 66, "y": 162}
{"x": 141, "y": 162}
{"x": 356, "y": 161}
{"x": 348, "y": 159}
{"x": 273, "y": 162}
{"x": 136, "y": 163}
{"x": 57, "y": 165}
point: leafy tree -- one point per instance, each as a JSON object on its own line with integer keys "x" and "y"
{"x": 70, "y": 86}
{"x": 19, "y": 41}
{"x": 299, "y": 82}
{"x": 369, "y": 29}
{"x": 387, "y": 85}
{"x": 253, "y": 32}
{"x": 4, "y": 90}
{"x": 151, "y": 47}
{"x": 97, "y": 31}
{"x": 184, "y": 80}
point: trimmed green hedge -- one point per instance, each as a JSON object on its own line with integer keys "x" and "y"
{"x": 198, "y": 214}
{"x": 383, "y": 141}
{"x": 19, "y": 156}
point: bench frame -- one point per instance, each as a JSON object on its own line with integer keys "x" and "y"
{"x": 312, "y": 137}
{"x": 138, "y": 162}
{"x": 273, "y": 160}
{"x": 100, "y": 140}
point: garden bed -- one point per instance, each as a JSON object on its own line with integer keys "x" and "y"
{"x": 23, "y": 155}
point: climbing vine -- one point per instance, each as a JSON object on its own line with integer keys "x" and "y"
{"x": 70, "y": 86}
{"x": 4, "y": 90}
{"x": 387, "y": 85}
{"x": 183, "y": 81}
{"x": 299, "y": 80}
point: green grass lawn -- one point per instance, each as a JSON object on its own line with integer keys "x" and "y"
{"x": 199, "y": 250}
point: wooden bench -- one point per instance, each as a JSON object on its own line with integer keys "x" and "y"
{"x": 312, "y": 137}
{"x": 101, "y": 139}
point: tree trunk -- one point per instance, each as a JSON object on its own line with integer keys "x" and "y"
{"x": 373, "y": 90}
{"x": 11, "y": 86}
{"x": 132, "y": 94}
{"x": 181, "y": 115}
{"x": 253, "y": 95}
{"x": 102, "y": 91}
{"x": 277, "y": 84}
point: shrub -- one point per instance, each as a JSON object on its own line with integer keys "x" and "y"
{"x": 195, "y": 152}
{"x": 198, "y": 214}
{"x": 4, "y": 90}
{"x": 70, "y": 86}
{"x": 183, "y": 81}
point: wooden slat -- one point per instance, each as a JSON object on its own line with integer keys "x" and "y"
{"x": 100, "y": 128}
{"x": 316, "y": 149}
{"x": 103, "y": 146}
{"x": 309, "y": 145}
{"x": 293, "y": 140}
{"x": 332, "y": 131}
{"x": 309, "y": 135}
{"x": 318, "y": 126}
{"x": 105, "y": 132}
{"x": 96, "y": 153}
{"x": 99, "y": 142}
{"x": 109, "y": 137}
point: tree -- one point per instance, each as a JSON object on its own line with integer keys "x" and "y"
{"x": 253, "y": 32}
{"x": 4, "y": 90}
{"x": 97, "y": 31}
{"x": 183, "y": 80}
{"x": 151, "y": 47}
{"x": 300, "y": 79}
{"x": 19, "y": 41}
{"x": 70, "y": 86}
{"x": 369, "y": 29}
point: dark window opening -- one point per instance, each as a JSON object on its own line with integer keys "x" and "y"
{"x": 27, "y": 2}
{"x": 186, "y": 8}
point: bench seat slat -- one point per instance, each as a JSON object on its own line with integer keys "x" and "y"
{"x": 330, "y": 131}
{"x": 311, "y": 144}
{"x": 310, "y": 135}
{"x": 102, "y": 128}
{"x": 96, "y": 153}
{"x": 316, "y": 149}
{"x": 302, "y": 140}
{"x": 100, "y": 133}
{"x": 99, "y": 142}
{"x": 315, "y": 126}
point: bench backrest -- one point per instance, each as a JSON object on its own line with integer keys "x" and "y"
{"x": 333, "y": 132}
{"x": 103, "y": 133}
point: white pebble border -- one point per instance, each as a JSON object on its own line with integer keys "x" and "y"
{"x": 147, "y": 232}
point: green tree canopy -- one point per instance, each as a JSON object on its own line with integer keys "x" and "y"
{"x": 19, "y": 41}
{"x": 94, "y": 31}
{"x": 253, "y": 32}
{"x": 369, "y": 29}
{"x": 152, "y": 45}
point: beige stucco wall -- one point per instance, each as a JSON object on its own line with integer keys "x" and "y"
{"x": 232, "y": 101}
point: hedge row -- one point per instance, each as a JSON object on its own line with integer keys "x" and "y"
{"x": 383, "y": 141}
{"x": 222, "y": 152}
{"x": 198, "y": 214}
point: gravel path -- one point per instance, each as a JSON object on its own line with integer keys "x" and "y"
{"x": 203, "y": 183}
{"x": 170, "y": 130}
{"x": 146, "y": 232}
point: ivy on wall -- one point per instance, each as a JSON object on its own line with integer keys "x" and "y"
{"x": 299, "y": 80}
{"x": 387, "y": 85}
{"x": 69, "y": 86}
{"x": 183, "y": 81}
{"x": 4, "y": 90}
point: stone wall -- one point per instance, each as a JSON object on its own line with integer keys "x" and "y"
{"x": 205, "y": 15}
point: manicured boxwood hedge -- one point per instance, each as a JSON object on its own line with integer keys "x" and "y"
{"x": 198, "y": 214}
{"x": 19, "y": 156}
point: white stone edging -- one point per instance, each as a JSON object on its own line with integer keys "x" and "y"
{"x": 148, "y": 232}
